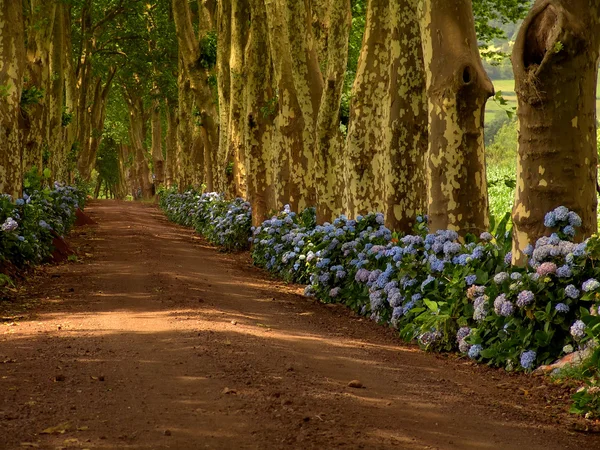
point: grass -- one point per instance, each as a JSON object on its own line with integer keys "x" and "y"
{"x": 508, "y": 92}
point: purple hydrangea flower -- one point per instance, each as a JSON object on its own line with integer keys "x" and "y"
{"x": 562, "y": 308}
{"x": 578, "y": 329}
{"x": 485, "y": 236}
{"x": 524, "y": 298}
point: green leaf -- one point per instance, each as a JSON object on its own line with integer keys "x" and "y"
{"x": 431, "y": 305}
{"x": 47, "y": 173}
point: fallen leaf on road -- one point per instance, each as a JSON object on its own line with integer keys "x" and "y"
{"x": 29, "y": 444}
{"x": 228, "y": 391}
{"x": 58, "y": 429}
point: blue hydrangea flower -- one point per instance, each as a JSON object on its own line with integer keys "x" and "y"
{"x": 569, "y": 231}
{"x": 571, "y": 291}
{"x": 564, "y": 272}
{"x": 590, "y": 285}
{"x": 475, "y": 351}
{"x": 500, "y": 277}
{"x": 578, "y": 329}
{"x": 574, "y": 219}
{"x": 528, "y": 250}
{"x": 508, "y": 259}
{"x": 470, "y": 279}
{"x": 550, "y": 220}
{"x": 562, "y": 308}
{"x": 528, "y": 359}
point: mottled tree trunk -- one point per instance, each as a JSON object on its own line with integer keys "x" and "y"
{"x": 137, "y": 137}
{"x": 366, "y": 140}
{"x": 555, "y": 61}
{"x": 290, "y": 123}
{"x": 224, "y": 26}
{"x": 258, "y": 118}
{"x": 185, "y": 128}
{"x": 59, "y": 144}
{"x": 39, "y": 33}
{"x": 457, "y": 89}
{"x": 171, "y": 169}
{"x": 198, "y": 76}
{"x": 405, "y": 175}
{"x": 158, "y": 159}
{"x": 122, "y": 187}
{"x": 12, "y": 68}
{"x": 329, "y": 145}
{"x": 240, "y": 12}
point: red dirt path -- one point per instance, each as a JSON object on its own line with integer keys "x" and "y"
{"x": 156, "y": 340}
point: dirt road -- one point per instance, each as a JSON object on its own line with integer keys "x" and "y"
{"x": 155, "y": 340}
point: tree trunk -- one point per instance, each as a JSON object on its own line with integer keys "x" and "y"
{"x": 290, "y": 124}
{"x": 157, "y": 152}
{"x": 93, "y": 120}
{"x": 405, "y": 174}
{"x": 457, "y": 88}
{"x": 236, "y": 159}
{"x": 39, "y": 34}
{"x": 58, "y": 69}
{"x": 258, "y": 118}
{"x": 199, "y": 74}
{"x": 555, "y": 61}
{"x": 366, "y": 133}
{"x": 137, "y": 137}
{"x": 171, "y": 169}
{"x": 224, "y": 26}
{"x": 329, "y": 144}
{"x": 12, "y": 68}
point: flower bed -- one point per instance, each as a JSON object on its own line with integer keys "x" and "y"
{"x": 447, "y": 294}
{"x": 223, "y": 223}
{"x": 28, "y": 224}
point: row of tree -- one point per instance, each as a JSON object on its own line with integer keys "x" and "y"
{"x": 347, "y": 105}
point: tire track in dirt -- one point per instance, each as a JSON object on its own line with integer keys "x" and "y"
{"x": 165, "y": 342}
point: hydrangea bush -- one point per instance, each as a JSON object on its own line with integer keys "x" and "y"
{"x": 448, "y": 294}
{"x": 222, "y": 222}
{"x": 28, "y": 224}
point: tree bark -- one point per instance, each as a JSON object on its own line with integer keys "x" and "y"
{"x": 206, "y": 112}
{"x": 258, "y": 117}
{"x": 158, "y": 159}
{"x": 290, "y": 124}
{"x": 39, "y": 33}
{"x": 405, "y": 174}
{"x": 12, "y": 69}
{"x": 171, "y": 169}
{"x": 555, "y": 62}
{"x": 329, "y": 142}
{"x": 365, "y": 154}
{"x": 224, "y": 27}
{"x": 236, "y": 158}
{"x": 457, "y": 88}
{"x": 137, "y": 137}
